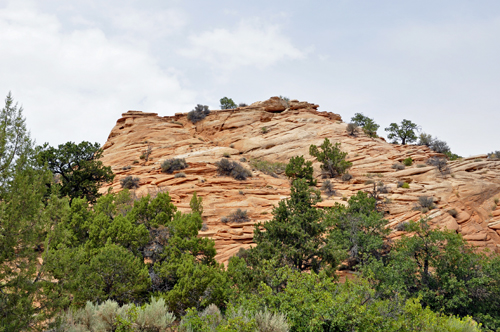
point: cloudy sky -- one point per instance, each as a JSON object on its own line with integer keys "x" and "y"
{"x": 75, "y": 66}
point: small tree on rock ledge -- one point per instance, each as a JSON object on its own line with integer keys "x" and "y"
{"x": 332, "y": 159}
{"x": 404, "y": 132}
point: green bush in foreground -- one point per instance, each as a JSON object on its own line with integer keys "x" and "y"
{"x": 313, "y": 302}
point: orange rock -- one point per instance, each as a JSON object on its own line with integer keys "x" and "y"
{"x": 291, "y": 129}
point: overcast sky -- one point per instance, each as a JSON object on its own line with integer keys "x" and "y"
{"x": 75, "y": 66}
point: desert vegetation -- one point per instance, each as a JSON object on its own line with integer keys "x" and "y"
{"x": 332, "y": 159}
{"x": 234, "y": 169}
{"x": 72, "y": 259}
{"x": 174, "y": 164}
{"x": 199, "y": 113}
{"x": 367, "y": 124}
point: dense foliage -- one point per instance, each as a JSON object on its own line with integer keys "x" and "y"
{"x": 299, "y": 168}
{"x": 77, "y": 169}
{"x": 122, "y": 263}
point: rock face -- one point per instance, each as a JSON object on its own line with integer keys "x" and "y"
{"x": 274, "y": 130}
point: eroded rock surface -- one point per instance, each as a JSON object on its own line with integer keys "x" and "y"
{"x": 472, "y": 189}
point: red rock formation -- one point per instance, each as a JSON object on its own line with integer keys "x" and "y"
{"x": 471, "y": 189}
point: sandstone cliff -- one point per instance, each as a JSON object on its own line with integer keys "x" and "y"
{"x": 471, "y": 189}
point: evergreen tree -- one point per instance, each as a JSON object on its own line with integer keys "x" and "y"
{"x": 227, "y": 104}
{"x": 330, "y": 156}
{"x": 79, "y": 172}
{"x": 445, "y": 272}
{"x": 369, "y": 126}
{"x": 298, "y": 168}
{"x": 359, "y": 229}
{"x": 14, "y": 142}
{"x": 404, "y": 132}
{"x": 296, "y": 236}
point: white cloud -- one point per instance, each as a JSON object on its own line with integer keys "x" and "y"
{"x": 74, "y": 85}
{"x": 252, "y": 43}
{"x": 148, "y": 24}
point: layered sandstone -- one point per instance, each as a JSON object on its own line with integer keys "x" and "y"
{"x": 471, "y": 188}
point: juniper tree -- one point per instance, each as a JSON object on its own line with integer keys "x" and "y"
{"x": 330, "y": 156}
{"x": 404, "y": 132}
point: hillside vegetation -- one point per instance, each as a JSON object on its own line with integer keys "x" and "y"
{"x": 285, "y": 231}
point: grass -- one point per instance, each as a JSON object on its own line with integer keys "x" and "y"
{"x": 268, "y": 167}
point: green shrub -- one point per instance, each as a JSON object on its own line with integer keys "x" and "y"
{"x": 298, "y": 168}
{"x": 452, "y": 156}
{"x": 408, "y": 161}
{"x": 264, "y": 130}
{"x": 130, "y": 182}
{"x": 439, "y": 146}
{"x": 180, "y": 175}
{"x": 211, "y": 320}
{"x": 124, "y": 168}
{"x": 494, "y": 155}
{"x": 268, "y": 167}
{"x": 332, "y": 159}
{"x": 199, "y": 113}
{"x": 175, "y": 164}
{"x": 426, "y": 202}
{"x": 327, "y": 187}
{"x": 369, "y": 126}
{"x": 404, "y": 185}
{"x": 226, "y": 167}
{"x": 237, "y": 216}
{"x": 226, "y": 155}
{"x": 227, "y": 104}
{"x": 196, "y": 204}
{"x": 425, "y": 139}
{"x": 285, "y": 101}
{"x": 352, "y": 129}
{"x": 440, "y": 163}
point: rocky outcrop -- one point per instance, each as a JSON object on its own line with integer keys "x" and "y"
{"x": 275, "y": 131}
